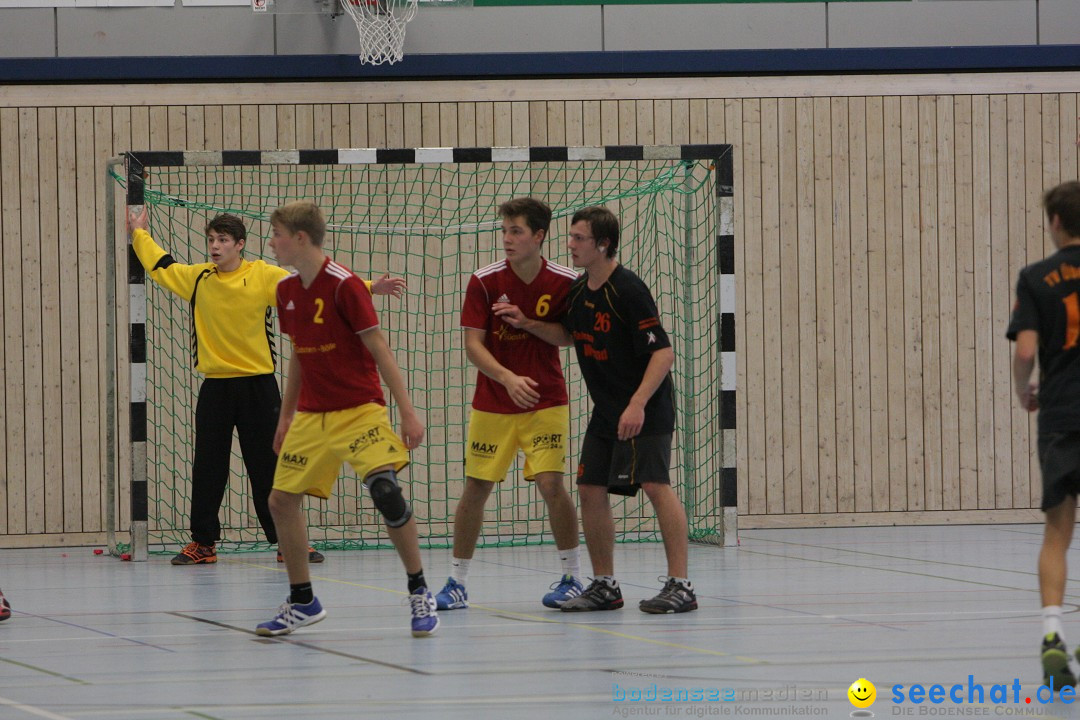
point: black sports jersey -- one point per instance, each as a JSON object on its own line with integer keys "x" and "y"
{"x": 1048, "y": 301}
{"x": 616, "y": 329}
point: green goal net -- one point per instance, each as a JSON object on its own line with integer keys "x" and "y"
{"x": 434, "y": 223}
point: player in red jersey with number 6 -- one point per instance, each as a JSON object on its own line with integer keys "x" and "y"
{"x": 520, "y": 401}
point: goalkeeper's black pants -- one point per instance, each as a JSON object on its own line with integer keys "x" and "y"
{"x": 251, "y": 405}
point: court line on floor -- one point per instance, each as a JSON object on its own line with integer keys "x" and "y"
{"x": 31, "y": 710}
{"x": 95, "y": 630}
{"x": 301, "y": 643}
{"x": 42, "y": 670}
{"x": 511, "y": 615}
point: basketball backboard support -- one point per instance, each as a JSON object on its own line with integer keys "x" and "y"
{"x": 331, "y": 7}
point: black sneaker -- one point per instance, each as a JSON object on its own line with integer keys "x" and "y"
{"x": 598, "y": 596}
{"x": 5, "y": 607}
{"x": 313, "y": 556}
{"x": 1055, "y": 662}
{"x": 674, "y": 598}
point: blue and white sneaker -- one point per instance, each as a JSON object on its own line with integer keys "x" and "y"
{"x": 424, "y": 618}
{"x": 568, "y": 588}
{"x": 291, "y": 616}
{"x": 452, "y": 596}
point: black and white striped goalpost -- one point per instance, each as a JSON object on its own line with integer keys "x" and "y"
{"x": 719, "y": 155}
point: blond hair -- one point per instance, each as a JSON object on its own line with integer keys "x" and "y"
{"x": 302, "y": 216}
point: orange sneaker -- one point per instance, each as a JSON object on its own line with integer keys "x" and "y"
{"x": 196, "y": 554}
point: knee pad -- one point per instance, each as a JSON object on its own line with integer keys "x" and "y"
{"x": 386, "y": 494}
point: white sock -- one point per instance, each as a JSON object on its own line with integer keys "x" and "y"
{"x": 571, "y": 561}
{"x": 1052, "y": 621}
{"x": 608, "y": 580}
{"x": 459, "y": 569}
{"x": 685, "y": 582}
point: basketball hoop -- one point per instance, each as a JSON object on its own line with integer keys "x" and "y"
{"x": 382, "y": 27}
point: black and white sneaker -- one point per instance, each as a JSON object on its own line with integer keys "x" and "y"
{"x": 598, "y": 596}
{"x": 674, "y": 598}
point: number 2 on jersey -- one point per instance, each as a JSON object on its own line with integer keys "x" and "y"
{"x": 318, "y": 311}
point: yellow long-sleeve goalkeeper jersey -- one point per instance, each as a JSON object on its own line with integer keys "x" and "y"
{"x": 232, "y": 329}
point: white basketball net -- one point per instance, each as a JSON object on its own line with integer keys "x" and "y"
{"x": 382, "y": 27}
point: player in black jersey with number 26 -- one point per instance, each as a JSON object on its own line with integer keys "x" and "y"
{"x": 1046, "y": 322}
{"x": 625, "y": 357}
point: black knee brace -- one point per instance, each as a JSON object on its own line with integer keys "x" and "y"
{"x": 386, "y": 494}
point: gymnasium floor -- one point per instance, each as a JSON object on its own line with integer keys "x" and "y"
{"x": 787, "y": 622}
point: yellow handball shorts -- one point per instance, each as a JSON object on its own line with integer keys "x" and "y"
{"x": 495, "y": 438}
{"x": 317, "y": 444}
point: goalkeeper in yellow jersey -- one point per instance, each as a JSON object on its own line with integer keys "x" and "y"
{"x": 232, "y": 346}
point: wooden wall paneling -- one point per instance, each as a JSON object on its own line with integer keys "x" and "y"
{"x": 983, "y": 275}
{"x": 29, "y": 235}
{"x": 828, "y": 297}
{"x": 322, "y": 122}
{"x": 929, "y": 327}
{"x": 196, "y": 127}
{"x": 966, "y": 269}
{"x": 68, "y": 275}
{"x": 716, "y": 110}
{"x": 842, "y": 271}
{"x": 893, "y": 228}
{"x": 878, "y": 260}
{"x": 574, "y": 122}
{"x": 466, "y": 125}
{"x": 609, "y": 122}
{"x": 627, "y": 131}
{"x": 679, "y": 121}
{"x": 747, "y": 284}
{"x": 862, "y": 344}
{"x": 89, "y": 315}
{"x": 485, "y": 124}
{"x": 304, "y": 117}
{"x": 212, "y": 125}
{"x": 1068, "y": 109}
{"x": 1016, "y": 239}
{"x": 947, "y": 275}
{"x": 661, "y": 120}
{"x": 537, "y": 123}
{"x": 502, "y": 124}
{"x": 758, "y": 128}
{"x": 591, "y": 117}
{"x": 249, "y": 128}
{"x": 645, "y": 126}
{"x": 912, "y": 272}
{"x": 14, "y": 366}
{"x": 286, "y": 125}
{"x": 397, "y": 125}
{"x": 699, "y": 119}
{"x": 122, "y": 140}
{"x": 1000, "y": 289}
{"x": 556, "y": 122}
{"x": 178, "y": 127}
{"x": 520, "y": 130}
{"x": 780, "y": 306}
{"x": 340, "y": 129}
{"x": 809, "y": 322}
{"x": 448, "y": 124}
{"x": 103, "y": 150}
{"x": 231, "y": 130}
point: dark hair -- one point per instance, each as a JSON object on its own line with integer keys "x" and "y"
{"x": 603, "y": 224}
{"x": 228, "y": 225}
{"x": 1064, "y": 201}
{"x": 536, "y": 212}
{"x": 302, "y": 216}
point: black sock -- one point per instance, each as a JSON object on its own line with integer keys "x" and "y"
{"x": 416, "y": 581}
{"x": 301, "y": 594}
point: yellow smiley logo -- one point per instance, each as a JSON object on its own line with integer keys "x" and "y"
{"x": 862, "y": 693}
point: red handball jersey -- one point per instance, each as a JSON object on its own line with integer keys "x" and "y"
{"x": 517, "y": 350}
{"x": 325, "y": 322}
